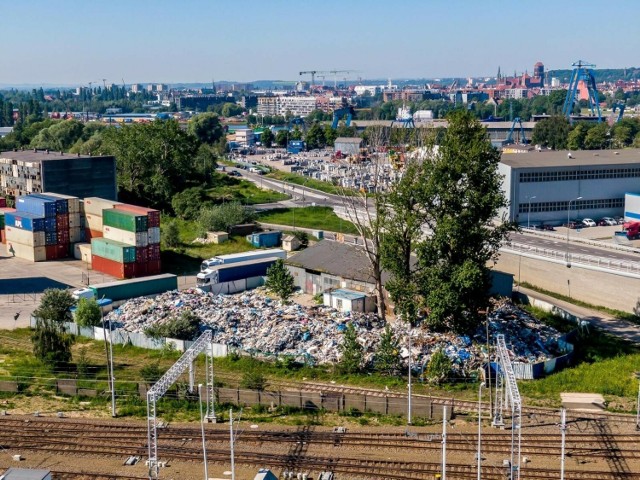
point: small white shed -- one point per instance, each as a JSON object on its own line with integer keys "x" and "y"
{"x": 345, "y": 300}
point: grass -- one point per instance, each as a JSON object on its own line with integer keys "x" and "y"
{"x": 610, "y": 311}
{"x": 232, "y": 189}
{"x": 307, "y": 181}
{"x": 321, "y": 218}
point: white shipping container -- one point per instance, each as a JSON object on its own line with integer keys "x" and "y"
{"x": 94, "y": 222}
{"x": 73, "y": 202}
{"x": 138, "y": 239}
{"x": 77, "y": 250}
{"x": 75, "y": 234}
{"x": 95, "y": 205}
{"x": 74, "y": 220}
{"x": 34, "y": 254}
{"x": 25, "y": 237}
{"x": 154, "y": 235}
{"x": 85, "y": 253}
{"x": 631, "y": 207}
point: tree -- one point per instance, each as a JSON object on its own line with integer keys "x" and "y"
{"x": 303, "y": 238}
{"x": 459, "y": 191}
{"x": 281, "y": 138}
{"x": 171, "y": 235}
{"x": 552, "y": 132}
{"x": 188, "y": 203}
{"x": 222, "y": 217}
{"x": 351, "y": 351}
{"x": 575, "y": 140}
{"x": 314, "y": 137}
{"x": 597, "y": 137}
{"x": 387, "y": 358}
{"x": 439, "y": 367}
{"x": 88, "y": 313}
{"x": 206, "y": 127}
{"x": 51, "y": 342}
{"x": 280, "y": 281}
{"x": 267, "y": 137}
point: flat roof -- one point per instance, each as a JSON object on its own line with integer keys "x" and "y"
{"x": 561, "y": 158}
{"x": 347, "y": 294}
{"x": 40, "y": 155}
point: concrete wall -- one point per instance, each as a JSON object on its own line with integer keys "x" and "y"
{"x": 596, "y": 288}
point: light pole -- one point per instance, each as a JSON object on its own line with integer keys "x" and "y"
{"x": 479, "y": 428}
{"x": 529, "y": 209}
{"x": 638, "y": 403}
{"x": 204, "y": 445}
{"x": 568, "y": 220}
{"x": 231, "y": 439}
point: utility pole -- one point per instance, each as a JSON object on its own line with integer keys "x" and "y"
{"x": 444, "y": 443}
{"x": 563, "y": 431}
{"x": 479, "y": 453}
{"x": 233, "y": 465}
{"x": 204, "y": 445}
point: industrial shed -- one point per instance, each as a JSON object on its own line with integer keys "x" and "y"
{"x": 347, "y": 145}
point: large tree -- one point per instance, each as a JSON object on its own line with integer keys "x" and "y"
{"x": 280, "y": 281}
{"x": 552, "y": 132}
{"x": 51, "y": 342}
{"x": 206, "y": 127}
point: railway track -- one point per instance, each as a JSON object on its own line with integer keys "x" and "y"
{"x": 182, "y": 443}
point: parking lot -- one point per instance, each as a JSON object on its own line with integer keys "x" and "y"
{"x": 22, "y": 283}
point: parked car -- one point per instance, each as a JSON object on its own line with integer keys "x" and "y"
{"x": 588, "y": 222}
{"x": 573, "y": 224}
{"x": 619, "y": 220}
{"x": 607, "y": 221}
{"x": 234, "y": 173}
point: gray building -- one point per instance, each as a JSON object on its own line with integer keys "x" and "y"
{"x": 37, "y": 171}
{"x": 347, "y": 145}
{"x": 541, "y": 186}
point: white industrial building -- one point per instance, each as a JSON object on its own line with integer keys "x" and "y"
{"x": 297, "y": 106}
{"x": 542, "y": 185}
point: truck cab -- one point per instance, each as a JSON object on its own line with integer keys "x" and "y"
{"x": 83, "y": 293}
{"x": 211, "y": 262}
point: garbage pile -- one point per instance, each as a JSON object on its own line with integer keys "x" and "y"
{"x": 255, "y": 323}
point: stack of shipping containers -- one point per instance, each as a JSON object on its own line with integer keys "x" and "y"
{"x": 130, "y": 242}
{"x": 92, "y": 208}
{"x": 3, "y": 209}
{"x": 31, "y": 230}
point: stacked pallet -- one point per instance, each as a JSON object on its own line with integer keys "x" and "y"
{"x": 130, "y": 242}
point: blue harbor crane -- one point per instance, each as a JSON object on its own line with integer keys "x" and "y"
{"x": 582, "y": 72}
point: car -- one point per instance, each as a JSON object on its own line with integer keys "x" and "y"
{"x": 607, "y": 221}
{"x": 573, "y": 224}
{"x": 588, "y": 222}
{"x": 619, "y": 220}
{"x": 234, "y": 173}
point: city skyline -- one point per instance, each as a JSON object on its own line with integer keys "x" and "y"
{"x": 71, "y": 42}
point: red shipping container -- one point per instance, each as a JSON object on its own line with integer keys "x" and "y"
{"x": 115, "y": 269}
{"x": 56, "y": 252}
{"x": 153, "y": 267}
{"x": 140, "y": 269}
{"x": 142, "y": 254}
{"x": 154, "y": 252}
{"x": 3, "y": 202}
{"x": 153, "y": 216}
{"x": 62, "y": 221}
{"x": 89, "y": 234}
{"x": 63, "y": 236}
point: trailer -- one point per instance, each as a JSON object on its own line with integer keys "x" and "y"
{"x": 242, "y": 257}
{"x": 234, "y": 277}
{"x": 132, "y": 288}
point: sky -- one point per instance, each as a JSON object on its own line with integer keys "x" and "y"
{"x": 74, "y": 42}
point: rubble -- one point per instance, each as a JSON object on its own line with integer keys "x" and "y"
{"x": 267, "y": 328}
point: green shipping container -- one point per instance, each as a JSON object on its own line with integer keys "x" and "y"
{"x": 124, "y": 220}
{"x": 136, "y": 287}
{"x": 1, "y": 221}
{"x": 116, "y": 251}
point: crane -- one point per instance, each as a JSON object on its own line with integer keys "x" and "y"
{"x": 335, "y": 76}
{"x": 319, "y": 72}
{"x": 313, "y": 75}
{"x": 582, "y": 72}
{"x": 523, "y": 139}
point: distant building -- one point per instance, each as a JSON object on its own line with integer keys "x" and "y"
{"x": 201, "y": 102}
{"x": 245, "y": 137}
{"x": 150, "y": 87}
{"x": 37, "y": 171}
{"x": 249, "y": 101}
{"x": 162, "y": 87}
{"x": 362, "y": 89}
{"x": 136, "y": 88}
{"x": 347, "y": 145}
{"x": 4, "y": 131}
{"x": 299, "y": 106}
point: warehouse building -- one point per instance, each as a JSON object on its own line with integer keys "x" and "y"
{"x": 542, "y": 185}
{"x": 36, "y": 171}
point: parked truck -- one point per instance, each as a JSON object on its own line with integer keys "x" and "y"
{"x": 232, "y": 272}
{"x": 242, "y": 257}
{"x": 632, "y": 230}
{"x": 126, "y": 289}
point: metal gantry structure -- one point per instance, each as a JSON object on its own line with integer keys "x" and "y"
{"x": 508, "y": 396}
{"x": 184, "y": 363}
{"x": 582, "y": 72}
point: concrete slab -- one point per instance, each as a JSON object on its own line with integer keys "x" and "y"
{"x": 586, "y": 402}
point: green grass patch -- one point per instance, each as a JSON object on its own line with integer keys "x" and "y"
{"x": 321, "y": 218}
{"x": 231, "y": 189}
{"x": 610, "y": 311}
{"x": 308, "y": 182}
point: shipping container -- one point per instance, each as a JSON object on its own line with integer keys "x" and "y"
{"x": 123, "y": 220}
{"x": 140, "y": 269}
{"x": 152, "y": 215}
{"x": 74, "y": 220}
{"x": 50, "y": 238}
{"x": 25, "y": 221}
{"x": 63, "y": 236}
{"x": 95, "y": 205}
{"x": 1, "y": 221}
{"x": 62, "y": 221}
{"x": 34, "y": 254}
{"x": 233, "y": 271}
{"x": 25, "y": 237}
{"x": 89, "y": 234}
{"x": 242, "y": 257}
{"x": 154, "y": 235}
{"x": 265, "y": 239}
{"x": 115, "y": 269}
{"x": 112, "y": 250}
{"x": 154, "y": 252}
{"x": 137, "y": 287}
{"x": 142, "y": 254}
{"x": 3, "y": 202}
{"x": 73, "y": 203}
{"x": 93, "y": 222}
{"x": 3, "y": 237}
{"x": 154, "y": 267}
{"x": 61, "y": 203}
{"x": 76, "y": 234}
{"x": 50, "y": 224}
{"x": 4, "y": 210}
{"x": 36, "y": 206}
{"x": 80, "y": 248}
{"x": 632, "y": 207}
{"x": 56, "y": 252}
{"x": 140, "y": 239}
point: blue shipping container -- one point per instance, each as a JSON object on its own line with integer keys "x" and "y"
{"x": 239, "y": 271}
{"x": 62, "y": 205}
{"x": 36, "y": 206}
{"x": 50, "y": 238}
{"x": 50, "y": 224}
{"x": 25, "y": 221}
{"x": 266, "y": 239}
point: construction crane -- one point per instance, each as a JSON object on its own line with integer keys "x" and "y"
{"x": 620, "y": 106}
{"x": 313, "y": 75}
{"x": 582, "y": 72}
{"x": 335, "y": 73}
{"x": 335, "y": 76}
{"x": 523, "y": 139}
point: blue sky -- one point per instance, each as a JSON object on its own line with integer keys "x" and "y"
{"x": 77, "y": 41}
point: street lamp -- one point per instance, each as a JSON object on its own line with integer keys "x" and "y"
{"x": 568, "y": 220}
{"x": 480, "y": 427}
{"x": 529, "y": 209}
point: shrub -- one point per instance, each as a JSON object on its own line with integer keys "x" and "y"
{"x": 185, "y": 327}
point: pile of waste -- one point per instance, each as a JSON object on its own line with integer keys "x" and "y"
{"x": 255, "y": 323}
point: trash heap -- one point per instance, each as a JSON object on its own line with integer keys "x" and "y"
{"x": 255, "y": 323}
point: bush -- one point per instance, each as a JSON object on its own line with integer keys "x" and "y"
{"x": 185, "y": 327}
{"x": 188, "y": 203}
{"x": 88, "y": 313}
{"x": 439, "y": 367}
{"x": 151, "y": 373}
{"x": 171, "y": 235}
{"x": 303, "y": 238}
{"x": 280, "y": 281}
{"x": 222, "y": 217}
{"x": 253, "y": 380}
